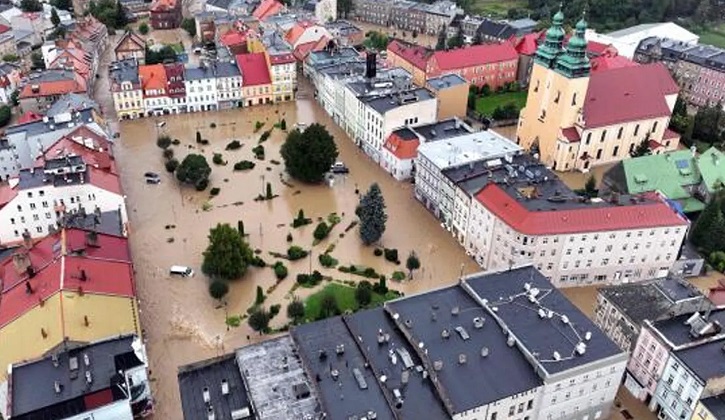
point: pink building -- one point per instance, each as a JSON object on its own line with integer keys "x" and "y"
{"x": 646, "y": 364}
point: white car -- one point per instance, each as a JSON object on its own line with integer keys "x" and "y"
{"x": 181, "y": 270}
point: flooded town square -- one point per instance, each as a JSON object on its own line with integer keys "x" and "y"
{"x": 168, "y": 225}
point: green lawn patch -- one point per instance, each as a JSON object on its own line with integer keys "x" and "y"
{"x": 714, "y": 35}
{"x": 345, "y": 296}
{"x": 496, "y": 8}
{"x": 486, "y": 104}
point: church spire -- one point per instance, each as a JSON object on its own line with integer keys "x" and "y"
{"x": 575, "y": 63}
{"x": 547, "y": 52}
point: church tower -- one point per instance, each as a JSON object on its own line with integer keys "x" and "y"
{"x": 558, "y": 86}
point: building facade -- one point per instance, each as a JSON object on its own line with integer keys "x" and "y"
{"x": 166, "y": 14}
{"x": 130, "y": 46}
{"x": 451, "y": 91}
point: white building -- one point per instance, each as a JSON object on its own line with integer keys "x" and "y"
{"x": 383, "y": 114}
{"x": 626, "y": 40}
{"x": 75, "y": 174}
{"x": 229, "y": 84}
{"x": 523, "y": 214}
{"x": 201, "y": 89}
{"x": 447, "y": 149}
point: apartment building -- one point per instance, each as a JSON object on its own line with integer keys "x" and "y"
{"x": 126, "y": 88}
{"x": 257, "y": 81}
{"x": 407, "y": 15}
{"x": 41, "y": 90}
{"x": 130, "y": 45}
{"x": 448, "y": 150}
{"x": 439, "y": 15}
{"x": 175, "y": 87}
{"x": 156, "y": 98}
{"x": 229, "y": 78}
{"x": 576, "y": 119}
{"x": 166, "y": 14}
{"x": 201, "y": 89}
{"x": 451, "y": 90}
{"x": 620, "y": 312}
{"x": 113, "y": 375}
{"x": 547, "y": 361}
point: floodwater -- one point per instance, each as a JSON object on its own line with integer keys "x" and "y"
{"x": 182, "y": 323}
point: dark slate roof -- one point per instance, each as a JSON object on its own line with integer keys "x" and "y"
{"x": 124, "y": 71}
{"x": 108, "y": 222}
{"x": 716, "y": 405}
{"x": 198, "y": 73}
{"x": 439, "y": 130}
{"x": 496, "y": 29}
{"x": 661, "y": 295}
{"x": 405, "y": 133}
{"x": 383, "y": 104}
{"x": 707, "y": 360}
{"x": 446, "y": 81}
{"x": 226, "y": 69}
{"x": 71, "y": 102}
{"x": 38, "y": 127}
{"x": 33, "y": 382}
{"x": 678, "y": 333}
{"x": 360, "y": 396}
{"x": 194, "y": 378}
{"x": 542, "y": 337}
{"x": 501, "y": 373}
{"x": 390, "y": 354}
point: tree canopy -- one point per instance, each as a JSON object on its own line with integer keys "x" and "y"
{"x": 412, "y": 263}
{"x": 371, "y": 212}
{"x": 31, "y": 6}
{"x": 194, "y": 170}
{"x": 708, "y": 233}
{"x": 309, "y": 154}
{"x": 376, "y": 40}
{"x": 227, "y": 255}
{"x": 642, "y": 149}
{"x": 296, "y": 310}
{"x": 166, "y": 53}
{"x": 109, "y": 12}
{"x": 54, "y": 18}
{"x": 62, "y": 4}
{"x": 259, "y": 319}
{"x": 708, "y": 124}
{"x": 364, "y": 293}
{"x": 218, "y": 289}
{"x": 5, "y": 115}
{"x": 189, "y": 25}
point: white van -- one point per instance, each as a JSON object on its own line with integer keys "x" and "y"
{"x": 181, "y": 270}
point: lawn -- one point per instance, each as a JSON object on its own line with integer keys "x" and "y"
{"x": 486, "y": 104}
{"x": 345, "y": 296}
{"x": 713, "y": 36}
{"x": 496, "y": 8}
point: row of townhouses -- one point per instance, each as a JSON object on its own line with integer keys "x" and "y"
{"x": 408, "y": 15}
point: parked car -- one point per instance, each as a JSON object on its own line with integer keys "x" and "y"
{"x": 181, "y": 270}
{"x": 339, "y": 168}
{"x": 151, "y": 175}
{"x": 153, "y": 181}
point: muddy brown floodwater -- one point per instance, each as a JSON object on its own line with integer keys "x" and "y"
{"x": 168, "y": 226}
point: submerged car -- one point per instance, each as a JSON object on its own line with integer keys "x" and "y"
{"x": 339, "y": 168}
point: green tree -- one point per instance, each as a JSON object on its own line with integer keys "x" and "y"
{"x": 218, "y": 289}
{"x": 5, "y": 115}
{"x": 328, "y": 306}
{"x": 708, "y": 123}
{"x": 376, "y": 40}
{"x": 259, "y": 319}
{"x": 54, "y": 18}
{"x": 708, "y": 233}
{"x": 309, "y": 154}
{"x": 344, "y": 7}
{"x": 120, "y": 17}
{"x": 259, "y": 299}
{"x": 31, "y": 6}
{"x": 227, "y": 254}
{"x": 321, "y": 231}
{"x": 642, "y": 149}
{"x": 704, "y": 12}
{"x": 457, "y": 41}
{"x": 442, "y": 38}
{"x": 296, "y": 310}
{"x": 163, "y": 141}
{"x": 143, "y": 28}
{"x": 371, "y": 212}
{"x": 37, "y": 62}
{"x": 62, "y": 4}
{"x": 11, "y": 58}
{"x": 194, "y": 170}
{"x": 364, "y": 293}
{"x": 590, "y": 187}
{"x": 189, "y": 25}
{"x": 412, "y": 263}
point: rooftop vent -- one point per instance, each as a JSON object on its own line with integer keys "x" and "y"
{"x": 581, "y": 348}
{"x": 57, "y": 386}
{"x": 461, "y": 359}
{"x": 557, "y": 356}
{"x": 437, "y": 365}
{"x": 206, "y": 395}
{"x": 588, "y": 335}
{"x": 408, "y": 323}
{"x": 340, "y": 349}
{"x": 565, "y": 319}
{"x": 89, "y": 377}
{"x": 484, "y": 352}
{"x": 510, "y": 341}
{"x": 462, "y": 332}
{"x": 86, "y": 359}
{"x": 478, "y": 322}
{"x": 445, "y": 333}
{"x": 542, "y": 313}
{"x": 323, "y": 355}
{"x": 54, "y": 358}
{"x": 455, "y": 310}
{"x": 335, "y": 374}
{"x": 225, "y": 387}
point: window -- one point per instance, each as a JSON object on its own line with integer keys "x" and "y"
{"x": 39, "y": 229}
{"x": 12, "y": 220}
{"x": 558, "y": 95}
{"x": 636, "y": 129}
{"x": 589, "y": 138}
{"x": 512, "y": 409}
{"x": 530, "y": 405}
{"x": 619, "y": 133}
{"x": 604, "y": 134}
{"x": 573, "y": 100}
{"x": 654, "y": 127}
{"x": 616, "y": 150}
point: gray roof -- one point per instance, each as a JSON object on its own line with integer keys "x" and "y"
{"x": 226, "y": 69}
{"x": 716, "y": 405}
{"x": 444, "y": 129}
{"x": 707, "y": 360}
{"x": 108, "y": 222}
{"x": 209, "y": 375}
{"x": 29, "y": 178}
{"x": 71, "y": 102}
{"x": 198, "y": 73}
{"x": 221, "y": 4}
{"x": 501, "y": 373}
{"x": 383, "y": 104}
{"x": 379, "y": 338}
{"x": 36, "y": 127}
{"x": 124, "y": 71}
{"x": 106, "y": 359}
{"x": 544, "y": 336}
{"x": 446, "y": 81}
{"x": 678, "y": 333}
{"x": 661, "y": 296}
{"x": 633, "y": 30}
{"x": 523, "y": 23}
{"x": 340, "y": 376}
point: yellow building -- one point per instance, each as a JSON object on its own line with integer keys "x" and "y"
{"x": 451, "y": 91}
{"x": 576, "y": 118}
{"x": 712, "y": 408}
{"x": 71, "y": 287}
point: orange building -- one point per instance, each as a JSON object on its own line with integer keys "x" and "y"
{"x": 75, "y": 286}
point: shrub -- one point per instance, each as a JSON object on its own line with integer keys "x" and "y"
{"x": 296, "y": 253}
{"x": 233, "y": 145}
{"x": 717, "y": 260}
{"x": 244, "y": 165}
{"x": 201, "y": 184}
{"x": 204, "y": 142}
{"x": 163, "y": 141}
{"x": 301, "y": 220}
{"x": 283, "y": 124}
{"x": 171, "y": 165}
{"x": 218, "y": 289}
{"x": 289, "y": 237}
{"x": 176, "y": 142}
{"x": 391, "y": 254}
{"x": 168, "y": 153}
{"x": 143, "y": 28}
{"x": 296, "y": 310}
{"x": 214, "y": 191}
{"x": 234, "y": 321}
{"x": 326, "y": 260}
{"x": 218, "y": 159}
{"x": 321, "y": 231}
{"x": 258, "y": 262}
{"x": 274, "y": 310}
{"x": 308, "y": 280}
{"x": 364, "y": 293}
{"x": 380, "y": 287}
{"x": 398, "y": 276}
{"x": 280, "y": 271}
{"x": 258, "y": 151}
{"x": 259, "y": 299}
{"x": 265, "y": 136}
{"x": 378, "y": 252}
{"x": 258, "y": 126}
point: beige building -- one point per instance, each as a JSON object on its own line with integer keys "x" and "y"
{"x": 576, "y": 119}
{"x": 126, "y": 89}
{"x": 451, "y": 91}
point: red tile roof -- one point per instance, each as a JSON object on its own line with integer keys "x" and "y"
{"x": 303, "y": 50}
{"x": 282, "y": 59}
{"x": 402, "y": 149}
{"x": 416, "y": 55}
{"x": 29, "y": 116}
{"x": 94, "y": 148}
{"x": 267, "y": 8}
{"x": 233, "y": 37}
{"x": 58, "y": 261}
{"x": 717, "y": 293}
{"x": 527, "y": 44}
{"x": 628, "y": 94}
{"x": 596, "y": 48}
{"x": 474, "y": 55}
{"x": 153, "y": 77}
{"x": 162, "y": 5}
{"x": 53, "y": 88}
{"x": 254, "y": 69}
{"x": 571, "y": 134}
{"x": 7, "y": 194}
{"x": 595, "y": 219}
{"x": 608, "y": 62}
{"x": 654, "y": 145}
{"x": 4, "y": 28}
{"x": 104, "y": 180}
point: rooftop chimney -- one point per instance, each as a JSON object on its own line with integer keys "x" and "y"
{"x": 370, "y": 65}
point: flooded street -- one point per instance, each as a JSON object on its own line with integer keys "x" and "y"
{"x": 182, "y": 323}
